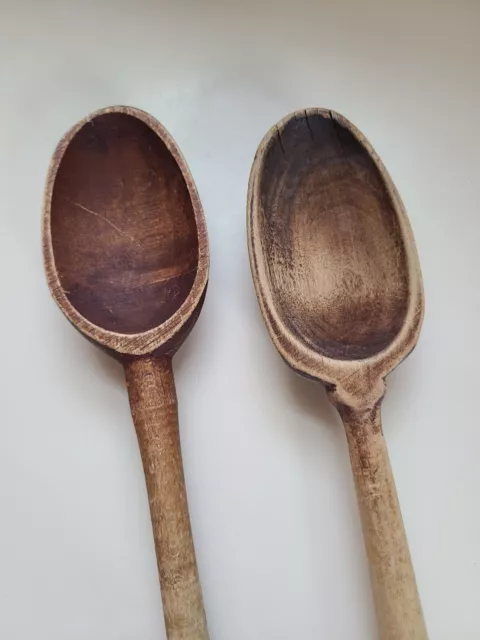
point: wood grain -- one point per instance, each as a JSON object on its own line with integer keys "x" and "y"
{"x": 393, "y": 580}
{"x": 330, "y": 280}
{"x": 153, "y": 400}
{"x": 338, "y": 281}
{"x": 126, "y": 257}
{"x": 118, "y": 267}
{"x": 153, "y": 262}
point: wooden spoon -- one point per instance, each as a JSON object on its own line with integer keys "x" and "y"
{"x": 126, "y": 256}
{"x": 338, "y": 281}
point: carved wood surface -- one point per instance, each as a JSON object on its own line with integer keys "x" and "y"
{"x": 126, "y": 256}
{"x": 338, "y": 281}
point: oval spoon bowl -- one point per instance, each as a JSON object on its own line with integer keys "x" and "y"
{"x": 332, "y": 254}
{"x": 125, "y": 243}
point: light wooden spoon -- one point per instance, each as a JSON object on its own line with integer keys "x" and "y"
{"x": 338, "y": 281}
{"x": 126, "y": 256}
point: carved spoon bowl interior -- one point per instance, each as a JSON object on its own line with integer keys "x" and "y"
{"x": 337, "y": 277}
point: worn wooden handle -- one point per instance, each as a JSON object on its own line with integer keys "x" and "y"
{"x": 153, "y": 401}
{"x": 395, "y": 591}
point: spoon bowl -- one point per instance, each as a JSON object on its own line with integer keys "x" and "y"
{"x": 125, "y": 244}
{"x": 338, "y": 281}
{"x": 126, "y": 257}
{"x": 332, "y": 253}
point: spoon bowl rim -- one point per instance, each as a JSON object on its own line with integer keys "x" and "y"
{"x": 295, "y": 352}
{"x": 144, "y": 342}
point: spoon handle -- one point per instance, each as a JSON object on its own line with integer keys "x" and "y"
{"x": 153, "y": 401}
{"x": 395, "y": 593}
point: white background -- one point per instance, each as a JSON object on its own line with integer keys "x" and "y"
{"x": 275, "y": 522}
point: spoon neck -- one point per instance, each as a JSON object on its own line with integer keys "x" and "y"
{"x": 365, "y": 420}
{"x": 357, "y": 395}
{"x": 150, "y": 376}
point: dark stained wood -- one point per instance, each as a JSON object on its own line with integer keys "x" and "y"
{"x": 126, "y": 256}
{"x": 118, "y": 267}
{"x": 338, "y": 281}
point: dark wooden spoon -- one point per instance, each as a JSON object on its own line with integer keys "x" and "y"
{"x": 126, "y": 256}
{"x": 338, "y": 281}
